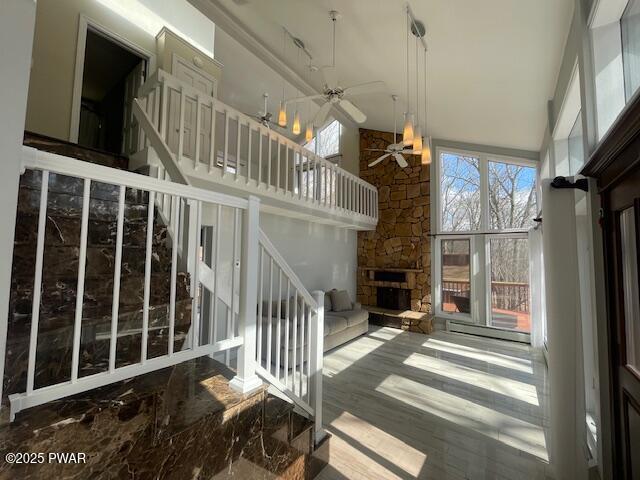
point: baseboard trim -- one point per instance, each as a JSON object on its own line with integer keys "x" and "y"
{"x": 489, "y": 332}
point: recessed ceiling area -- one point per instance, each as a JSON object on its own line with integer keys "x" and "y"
{"x": 492, "y": 65}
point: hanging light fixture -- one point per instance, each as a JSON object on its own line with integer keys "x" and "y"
{"x": 407, "y": 131}
{"x": 282, "y": 113}
{"x": 297, "y": 128}
{"x": 417, "y": 132}
{"x": 426, "y": 144}
{"x": 308, "y": 134}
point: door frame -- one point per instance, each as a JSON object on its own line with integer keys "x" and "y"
{"x": 85, "y": 24}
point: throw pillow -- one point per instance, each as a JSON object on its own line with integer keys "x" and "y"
{"x": 340, "y": 300}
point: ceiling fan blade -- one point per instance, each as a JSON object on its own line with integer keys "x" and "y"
{"x": 321, "y": 116}
{"x": 330, "y": 76}
{"x": 378, "y": 150}
{"x": 353, "y": 111}
{"x": 379, "y": 159}
{"x": 400, "y": 159}
{"x": 304, "y": 99}
{"x": 365, "y": 88}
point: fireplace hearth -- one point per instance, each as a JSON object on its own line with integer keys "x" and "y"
{"x": 393, "y": 298}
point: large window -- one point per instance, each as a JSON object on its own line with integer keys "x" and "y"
{"x": 485, "y": 206}
{"x": 512, "y": 196}
{"x": 509, "y": 283}
{"x": 630, "y": 28}
{"x": 460, "y": 193}
{"x": 326, "y": 143}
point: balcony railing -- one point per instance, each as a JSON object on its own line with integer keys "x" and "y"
{"x": 211, "y": 141}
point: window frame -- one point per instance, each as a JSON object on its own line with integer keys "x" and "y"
{"x": 483, "y": 163}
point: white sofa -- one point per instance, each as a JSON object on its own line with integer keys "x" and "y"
{"x": 339, "y": 327}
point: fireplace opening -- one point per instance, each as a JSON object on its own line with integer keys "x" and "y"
{"x": 393, "y": 298}
{"x": 382, "y": 276}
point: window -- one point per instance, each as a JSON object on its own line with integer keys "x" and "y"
{"x": 326, "y": 143}
{"x": 456, "y": 275}
{"x": 486, "y": 204}
{"x": 630, "y": 28}
{"x": 512, "y": 196}
{"x": 509, "y": 258}
{"x": 459, "y": 193}
{"x": 575, "y": 146}
{"x": 630, "y": 280}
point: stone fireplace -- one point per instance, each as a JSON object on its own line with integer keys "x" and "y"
{"x": 397, "y": 254}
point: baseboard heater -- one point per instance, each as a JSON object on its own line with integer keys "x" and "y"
{"x": 489, "y": 332}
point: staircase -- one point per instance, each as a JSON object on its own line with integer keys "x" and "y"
{"x": 60, "y": 283}
{"x": 119, "y": 299}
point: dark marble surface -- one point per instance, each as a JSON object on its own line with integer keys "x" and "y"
{"x": 42, "y": 142}
{"x": 182, "y": 422}
{"x": 59, "y": 283}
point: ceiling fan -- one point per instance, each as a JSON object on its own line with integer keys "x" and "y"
{"x": 334, "y": 94}
{"x": 264, "y": 116}
{"x": 396, "y": 150}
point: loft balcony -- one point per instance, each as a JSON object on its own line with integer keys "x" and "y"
{"x": 190, "y": 137}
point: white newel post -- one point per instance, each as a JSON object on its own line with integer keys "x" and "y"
{"x": 17, "y": 22}
{"x": 246, "y": 379}
{"x": 315, "y": 382}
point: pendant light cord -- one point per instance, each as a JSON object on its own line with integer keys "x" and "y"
{"x": 407, "y": 31}
{"x": 284, "y": 51}
{"x": 417, "y": 86}
{"x": 425, "y": 94}
{"x": 333, "y": 46}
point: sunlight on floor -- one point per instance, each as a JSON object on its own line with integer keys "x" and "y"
{"x": 498, "y": 359}
{"x": 495, "y": 383}
{"x": 503, "y": 428}
{"x": 393, "y": 457}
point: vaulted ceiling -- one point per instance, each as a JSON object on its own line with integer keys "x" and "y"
{"x": 492, "y": 64}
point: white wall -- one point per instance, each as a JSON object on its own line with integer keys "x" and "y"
{"x": 323, "y": 256}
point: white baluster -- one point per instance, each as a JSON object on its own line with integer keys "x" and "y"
{"x": 286, "y": 336}
{"x": 115, "y": 303}
{"x": 250, "y": 130}
{"x": 181, "y": 127}
{"x": 238, "y": 137}
{"x": 216, "y": 272}
{"x": 294, "y": 347}
{"x": 82, "y": 262}
{"x": 37, "y": 281}
{"x": 226, "y": 143}
{"x": 196, "y": 158}
{"x": 260, "y": 312}
{"x": 147, "y": 278}
{"x": 175, "y": 226}
{"x": 212, "y": 140}
{"x": 279, "y": 324}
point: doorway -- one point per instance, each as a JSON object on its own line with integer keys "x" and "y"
{"x": 111, "y": 77}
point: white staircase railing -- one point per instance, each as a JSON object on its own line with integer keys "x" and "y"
{"x": 207, "y": 333}
{"x": 212, "y": 141}
{"x": 289, "y": 330}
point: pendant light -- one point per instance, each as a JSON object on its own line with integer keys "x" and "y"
{"x": 426, "y": 144}
{"x": 417, "y": 132}
{"x": 282, "y": 114}
{"x": 407, "y": 131}
{"x": 297, "y": 128}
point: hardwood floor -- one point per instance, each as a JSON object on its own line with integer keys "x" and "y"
{"x": 444, "y": 406}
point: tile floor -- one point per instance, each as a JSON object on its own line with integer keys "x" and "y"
{"x": 444, "y": 406}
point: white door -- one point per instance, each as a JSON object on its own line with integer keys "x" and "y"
{"x": 129, "y": 124}
{"x": 202, "y": 82}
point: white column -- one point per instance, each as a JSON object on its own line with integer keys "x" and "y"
{"x": 564, "y": 333}
{"x": 246, "y": 379}
{"x": 17, "y": 23}
{"x": 315, "y": 370}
